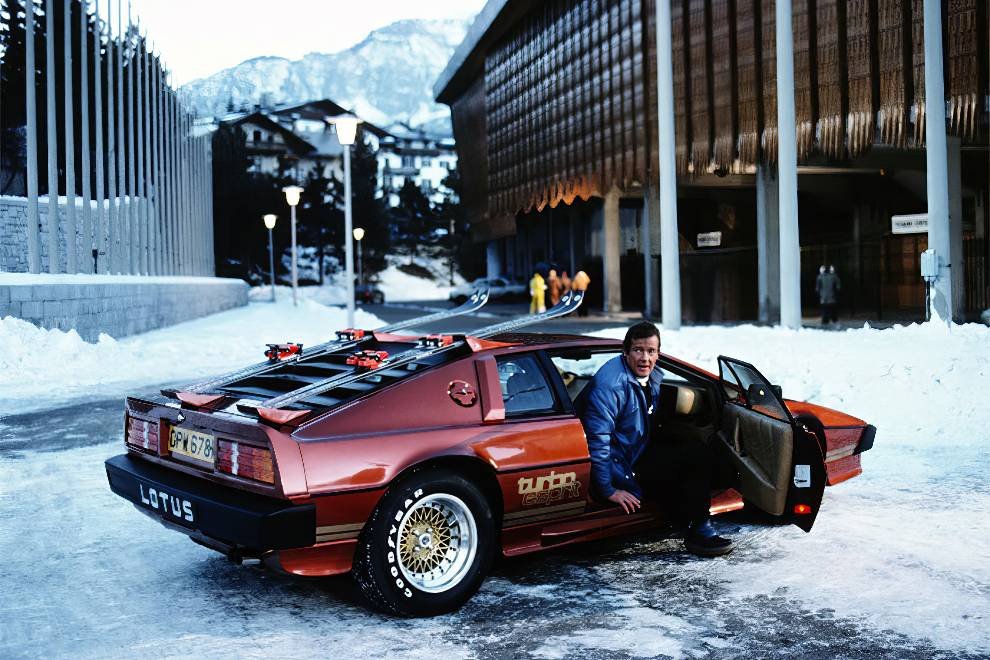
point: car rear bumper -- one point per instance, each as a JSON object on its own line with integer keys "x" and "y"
{"x": 225, "y": 519}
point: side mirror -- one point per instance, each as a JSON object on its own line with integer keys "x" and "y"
{"x": 778, "y": 391}
{"x": 757, "y": 395}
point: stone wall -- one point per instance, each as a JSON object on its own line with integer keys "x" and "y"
{"x": 115, "y": 305}
{"x": 14, "y": 240}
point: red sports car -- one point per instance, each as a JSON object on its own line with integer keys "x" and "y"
{"x": 411, "y": 461}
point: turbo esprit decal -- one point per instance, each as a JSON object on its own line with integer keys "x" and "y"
{"x": 550, "y": 488}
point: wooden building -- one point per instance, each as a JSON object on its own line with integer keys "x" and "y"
{"x": 555, "y": 106}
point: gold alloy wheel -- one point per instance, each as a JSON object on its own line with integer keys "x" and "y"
{"x": 437, "y": 541}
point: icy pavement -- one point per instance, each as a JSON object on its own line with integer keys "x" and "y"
{"x": 897, "y": 565}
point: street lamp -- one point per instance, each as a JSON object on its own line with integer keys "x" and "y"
{"x": 358, "y": 235}
{"x": 346, "y": 126}
{"x": 270, "y": 219}
{"x": 292, "y": 198}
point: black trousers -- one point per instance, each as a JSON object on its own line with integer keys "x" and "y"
{"x": 829, "y": 313}
{"x": 677, "y": 474}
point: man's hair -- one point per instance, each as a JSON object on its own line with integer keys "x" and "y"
{"x": 642, "y": 330}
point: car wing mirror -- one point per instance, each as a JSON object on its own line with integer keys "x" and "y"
{"x": 778, "y": 390}
{"x": 758, "y": 395}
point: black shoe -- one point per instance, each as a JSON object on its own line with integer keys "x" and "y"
{"x": 707, "y": 546}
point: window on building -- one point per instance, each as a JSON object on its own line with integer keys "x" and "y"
{"x": 256, "y": 136}
{"x": 408, "y": 161}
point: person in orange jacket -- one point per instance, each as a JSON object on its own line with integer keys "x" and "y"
{"x": 553, "y": 287}
{"x": 537, "y": 293}
{"x": 580, "y": 283}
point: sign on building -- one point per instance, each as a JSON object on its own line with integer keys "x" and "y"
{"x": 710, "y": 239}
{"x": 914, "y": 223}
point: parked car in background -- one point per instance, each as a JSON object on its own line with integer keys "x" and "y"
{"x": 368, "y": 293}
{"x": 499, "y": 288}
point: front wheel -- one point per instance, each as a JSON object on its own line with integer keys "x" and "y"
{"x": 427, "y": 547}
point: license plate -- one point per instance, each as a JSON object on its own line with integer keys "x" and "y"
{"x": 192, "y": 444}
{"x": 169, "y": 505}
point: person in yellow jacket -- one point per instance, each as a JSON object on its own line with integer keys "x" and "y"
{"x": 537, "y": 292}
{"x": 580, "y": 283}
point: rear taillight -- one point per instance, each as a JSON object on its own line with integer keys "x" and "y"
{"x": 246, "y": 461}
{"x": 142, "y": 434}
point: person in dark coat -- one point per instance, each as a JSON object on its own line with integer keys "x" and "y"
{"x": 629, "y": 459}
{"x": 827, "y": 287}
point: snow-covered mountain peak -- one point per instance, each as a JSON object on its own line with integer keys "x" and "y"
{"x": 386, "y": 77}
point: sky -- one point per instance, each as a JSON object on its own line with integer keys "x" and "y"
{"x": 200, "y": 37}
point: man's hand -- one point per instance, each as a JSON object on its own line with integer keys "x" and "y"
{"x": 625, "y": 499}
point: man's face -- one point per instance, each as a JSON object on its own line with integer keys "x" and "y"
{"x": 642, "y": 356}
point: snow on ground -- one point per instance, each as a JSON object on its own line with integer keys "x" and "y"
{"x": 905, "y": 544}
{"x": 898, "y": 553}
{"x": 39, "y": 367}
{"x": 400, "y": 286}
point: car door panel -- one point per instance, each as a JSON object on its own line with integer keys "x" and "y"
{"x": 781, "y": 465}
{"x": 761, "y": 448}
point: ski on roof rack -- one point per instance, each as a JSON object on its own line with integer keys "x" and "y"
{"x": 364, "y": 366}
{"x": 346, "y": 339}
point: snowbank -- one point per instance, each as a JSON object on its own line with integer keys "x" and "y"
{"x": 39, "y": 368}
{"x": 399, "y": 286}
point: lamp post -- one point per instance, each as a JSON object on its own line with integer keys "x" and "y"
{"x": 270, "y": 219}
{"x": 358, "y": 235}
{"x": 292, "y": 198}
{"x": 346, "y": 126}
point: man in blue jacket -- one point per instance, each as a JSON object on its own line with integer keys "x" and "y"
{"x": 619, "y": 415}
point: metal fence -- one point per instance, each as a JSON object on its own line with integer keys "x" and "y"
{"x": 133, "y": 183}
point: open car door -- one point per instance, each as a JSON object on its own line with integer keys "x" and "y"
{"x": 781, "y": 464}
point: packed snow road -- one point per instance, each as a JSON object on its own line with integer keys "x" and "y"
{"x": 897, "y": 565}
{"x": 86, "y": 575}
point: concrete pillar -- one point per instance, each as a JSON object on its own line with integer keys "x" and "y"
{"x": 955, "y": 257}
{"x": 122, "y": 248}
{"x": 494, "y": 265}
{"x": 100, "y": 224}
{"x": 33, "y": 233}
{"x": 767, "y": 246}
{"x": 51, "y": 70}
{"x": 854, "y": 286}
{"x": 86, "y": 264}
{"x": 71, "y": 240}
{"x": 612, "y": 286}
{"x": 942, "y": 299}
{"x": 650, "y": 220}
{"x": 790, "y": 247}
{"x": 111, "y": 251}
{"x": 670, "y": 257}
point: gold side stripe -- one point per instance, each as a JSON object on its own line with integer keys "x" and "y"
{"x": 549, "y": 517}
{"x": 324, "y": 538}
{"x": 333, "y": 529}
{"x": 563, "y": 508}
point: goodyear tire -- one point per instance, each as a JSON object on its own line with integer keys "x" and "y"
{"x": 427, "y": 547}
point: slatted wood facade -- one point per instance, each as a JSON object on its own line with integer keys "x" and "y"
{"x": 569, "y": 92}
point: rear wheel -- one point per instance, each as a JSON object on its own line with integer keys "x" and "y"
{"x": 427, "y": 547}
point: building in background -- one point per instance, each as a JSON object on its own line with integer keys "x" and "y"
{"x": 297, "y": 139}
{"x": 411, "y": 154}
{"x": 554, "y": 105}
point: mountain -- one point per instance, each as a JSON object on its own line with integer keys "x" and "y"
{"x": 388, "y": 77}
